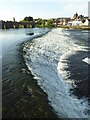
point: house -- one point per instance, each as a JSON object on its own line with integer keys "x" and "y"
{"x": 87, "y": 22}
{"x": 75, "y": 16}
{"x": 74, "y": 23}
{"x": 79, "y": 20}
{"x": 63, "y": 21}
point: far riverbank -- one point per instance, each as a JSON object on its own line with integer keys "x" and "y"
{"x": 76, "y": 27}
{"x": 68, "y": 27}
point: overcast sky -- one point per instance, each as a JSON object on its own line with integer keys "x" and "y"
{"x": 41, "y": 8}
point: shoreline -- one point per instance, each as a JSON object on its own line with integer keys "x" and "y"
{"x": 76, "y": 27}
{"x": 62, "y": 26}
{"x": 69, "y": 27}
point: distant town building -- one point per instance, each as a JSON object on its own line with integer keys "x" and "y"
{"x": 62, "y": 21}
{"x": 79, "y": 20}
{"x": 29, "y": 22}
{"x": 13, "y": 19}
{"x": 75, "y": 16}
{"x": 87, "y": 22}
{"x": 74, "y": 23}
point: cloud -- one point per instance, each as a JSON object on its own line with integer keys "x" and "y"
{"x": 81, "y": 8}
{"x": 45, "y": 9}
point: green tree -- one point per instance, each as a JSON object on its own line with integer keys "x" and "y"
{"x": 50, "y": 23}
{"x": 28, "y": 18}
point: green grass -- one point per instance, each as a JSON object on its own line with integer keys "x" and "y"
{"x": 68, "y": 27}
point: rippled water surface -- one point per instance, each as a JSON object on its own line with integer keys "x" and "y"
{"x": 55, "y": 61}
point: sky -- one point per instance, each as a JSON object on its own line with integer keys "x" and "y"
{"x": 41, "y": 8}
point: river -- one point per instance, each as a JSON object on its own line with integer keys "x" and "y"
{"x": 47, "y": 73}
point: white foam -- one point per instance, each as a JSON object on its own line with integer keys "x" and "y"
{"x": 44, "y": 57}
{"x": 87, "y": 60}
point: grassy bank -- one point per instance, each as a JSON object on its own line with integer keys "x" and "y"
{"x": 67, "y": 27}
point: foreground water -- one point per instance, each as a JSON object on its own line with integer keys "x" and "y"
{"x": 56, "y": 61}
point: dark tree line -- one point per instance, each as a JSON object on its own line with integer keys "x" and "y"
{"x": 28, "y": 18}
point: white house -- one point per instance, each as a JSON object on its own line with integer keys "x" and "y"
{"x": 74, "y": 23}
{"x": 86, "y": 23}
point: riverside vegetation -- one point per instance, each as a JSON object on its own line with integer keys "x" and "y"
{"x": 29, "y": 22}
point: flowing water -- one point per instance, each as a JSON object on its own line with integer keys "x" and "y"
{"x": 58, "y": 63}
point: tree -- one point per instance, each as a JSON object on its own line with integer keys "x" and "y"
{"x": 28, "y": 18}
{"x": 50, "y": 23}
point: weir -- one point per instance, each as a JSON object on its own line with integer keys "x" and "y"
{"x": 42, "y": 58}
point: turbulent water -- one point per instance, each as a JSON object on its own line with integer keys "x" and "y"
{"x": 48, "y": 58}
{"x": 59, "y": 62}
